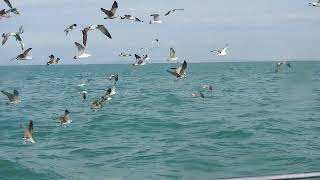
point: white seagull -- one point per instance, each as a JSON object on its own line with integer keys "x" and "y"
{"x": 81, "y": 51}
{"x": 221, "y": 52}
{"x": 14, "y": 34}
{"x": 172, "y": 11}
{"x": 179, "y": 72}
{"x": 156, "y": 19}
{"x": 52, "y": 60}
{"x": 315, "y": 4}
{"x": 102, "y": 28}
{"x": 172, "y": 56}
{"x": 26, "y": 55}
{"x": 70, "y": 28}
{"x": 113, "y": 11}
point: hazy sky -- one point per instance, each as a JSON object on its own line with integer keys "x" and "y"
{"x": 254, "y": 29}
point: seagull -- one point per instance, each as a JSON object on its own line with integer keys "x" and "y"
{"x": 281, "y": 64}
{"x": 113, "y": 11}
{"x": 221, "y": 52}
{"x": 27, "y": 136}
{"x": 114, "y": 77}
{"x": 179, "y": 72}
{"x": 156, "y": 19}
{"x": 140, "y": 60}
{"x": 84, "y": 94}
{"x": 102, "y": 28}
{"x": 315, "y": 4}
{"x": 130, "y": 17}
{"x": 81, "y": 52}
{"x": 13, "y": 97}
{"x": 65, "y": 119}
{"x": 52, "y": 60}
{"x": 155, "y": 40}
{"x": 14, "y": 34}
{"x": 70, "y": 28}
{"x": 107, "y": 96}
{"x": 124, "y": 55}
{"x": 24, "y": 56}
{"x": 172, "y": 11}
{"x": 209, "y": 87}
{"x": 172, "y": 56}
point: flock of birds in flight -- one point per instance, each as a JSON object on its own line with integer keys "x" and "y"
{"x": 178, "y": 72}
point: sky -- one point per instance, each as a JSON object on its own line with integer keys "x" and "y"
{"x": 256, "y": 30}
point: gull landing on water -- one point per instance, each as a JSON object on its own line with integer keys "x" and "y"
{"x": 221, "y": 52}
{"x": 112, "y": 14}
{"x": 156, "y": 19}
{"x": 280, "y": 65}
{"x": 315, "y": 4}
{"x": 81, "y": 52}
{"x": 27, "y": 136}
{"x": 24, "y": 56}
{"x": 102, "y": 28}
{"x": 52, "y": 60}
{"x": 179, "y": 72}
{"x": 14, "y": 34}
{"x": 13, "y": 97}
{"x": 70, "y": 28}
{"x": 172, "y": 56}
{"x": 140, "y": 60}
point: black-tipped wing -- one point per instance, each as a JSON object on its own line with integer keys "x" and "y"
{"x": 104, "y": 30}
{"x": 114, "y": 7}
{"x": 30, "y": 128}
{"x": 9, "y": 95}
{"x": 137, "y": 56}
{"x": 166, "y": 14}
{"x": 84, "y": 37}
{"x": 5, "y": 38}
{"x": 26, "y": 52}
{"x": 79, "y": 47}
{"x": 182, "y": 68}
{"x": 107, "y": 12}
{"x": 8, "y": 3}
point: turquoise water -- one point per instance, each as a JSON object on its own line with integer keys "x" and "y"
{"x": 254, "y": 122}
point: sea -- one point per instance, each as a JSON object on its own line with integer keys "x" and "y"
{"x": 254, "y": 122}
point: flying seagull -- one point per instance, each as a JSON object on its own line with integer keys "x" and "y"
{"x": 24, "y": 56}
{"x": 52, "y": 60}
{"x": 315, "y": 4}
{"x": 13, "y": 97}
{"x": 140, "y": 60}
{"x": 221, "y": 52}
{"x": 156, "y": 19}
{"x": 113, "y": 11}
{"x": 281, "y": 64}
{"x": 124, "y": 55}
{"x": 172, "y": 56}
{"x": 14, "y": 34}
{"x": 130, "y": 17}
{"x": 70, "y": 28}
{"x": 172, "y": 11}
{"x": 179, "y": 72}
{"x": 102, "y": 28}
{"x": 27, "y": 136}
{"x": 81, "y": 52}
